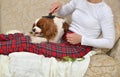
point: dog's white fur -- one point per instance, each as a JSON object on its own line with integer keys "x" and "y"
{"x": 13, "y": 32}
{"x": 34, "y": 39}
{"x": 58, "y": 21}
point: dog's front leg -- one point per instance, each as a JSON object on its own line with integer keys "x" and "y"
{"x": 38, "y": 39}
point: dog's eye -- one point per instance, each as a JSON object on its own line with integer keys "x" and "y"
{"x": 39, "y": 26}
{"x": 34, "y": 25}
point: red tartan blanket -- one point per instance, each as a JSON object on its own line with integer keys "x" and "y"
{"x": 19, "y": 42}
{"x": 13, "y": 43}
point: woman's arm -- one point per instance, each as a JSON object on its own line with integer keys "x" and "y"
{"x": 108, "y": 32}
{"x": 63, "y": 10}
{"x": 67, "y": 8}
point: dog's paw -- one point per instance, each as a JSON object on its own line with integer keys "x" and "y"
{"x": 38, "y": 40}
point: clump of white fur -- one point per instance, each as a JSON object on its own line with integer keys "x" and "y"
{"x": 13, "y": 32}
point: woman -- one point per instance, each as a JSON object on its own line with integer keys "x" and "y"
{"x": 89, "y": 19}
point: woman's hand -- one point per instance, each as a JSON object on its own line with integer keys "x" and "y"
{"x": 55, "y": 6}
{"x": 73, "y": 38}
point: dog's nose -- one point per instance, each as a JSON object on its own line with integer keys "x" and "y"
{"x": 33, "y": 30}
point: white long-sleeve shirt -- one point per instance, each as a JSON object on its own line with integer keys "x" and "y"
{"x": 90, "y": 20}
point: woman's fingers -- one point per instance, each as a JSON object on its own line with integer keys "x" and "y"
{"x": 73, "y": 38}
{"x": 55, "y": 6}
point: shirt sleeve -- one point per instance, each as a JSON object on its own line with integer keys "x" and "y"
{"x": 67, "y": 8}
{"x": 108, "y": 32}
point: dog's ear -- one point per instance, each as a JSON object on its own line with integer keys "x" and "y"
{"x": 51, "y": 30}
{"x": 65, "y": 26}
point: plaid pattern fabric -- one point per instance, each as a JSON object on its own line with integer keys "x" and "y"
{"x": 12, "y": 43}
{"x": 18, "y": 43}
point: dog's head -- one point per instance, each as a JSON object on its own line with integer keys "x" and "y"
{"x": 49, "y": 28}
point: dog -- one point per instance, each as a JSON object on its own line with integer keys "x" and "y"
{"x": 46, "y": 30}
{"x": 49, "y": 29}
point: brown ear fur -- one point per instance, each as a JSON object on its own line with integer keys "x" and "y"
{"x": 49, "y": 29}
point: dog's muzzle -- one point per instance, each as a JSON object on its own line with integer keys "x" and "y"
{"x": 33, "y": 29}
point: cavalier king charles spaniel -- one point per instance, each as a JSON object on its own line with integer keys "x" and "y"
{"x": 47, "y": 29}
